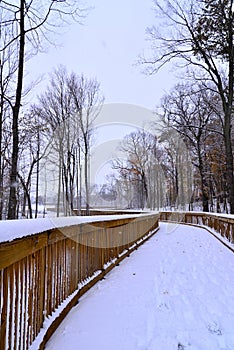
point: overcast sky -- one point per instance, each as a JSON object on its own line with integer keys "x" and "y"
{"x": 106, "y": 47}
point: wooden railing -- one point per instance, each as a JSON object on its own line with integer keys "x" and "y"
{"x": 92, "y": 212}
{"x": 46, "y": 272}
{"x": 221, "y": 224}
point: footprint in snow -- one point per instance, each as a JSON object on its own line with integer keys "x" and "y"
{"x": 163, "y": 307}
{"x": 214, "y": 328}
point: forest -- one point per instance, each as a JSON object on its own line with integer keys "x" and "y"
{"x": 45, "y": 146}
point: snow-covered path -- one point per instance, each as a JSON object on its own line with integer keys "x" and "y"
{"x": 175, "y": 292}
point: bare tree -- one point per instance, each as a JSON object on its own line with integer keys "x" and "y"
{"x": 26, "y": 23}
{"x": 176, "y": 165}
{"x": 8, "y": 67}
{"x": 199, "y": 34}
{"x": 32, "y": 149}
{"x": 88, "y": 102}
{"x": 55, "y": 108}
{"x": 138, "y": 168}
{"x": 70, "y": 105}
{"x": 186, "y": 111}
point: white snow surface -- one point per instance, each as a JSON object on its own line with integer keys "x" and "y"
{"x": 175, "y": 292}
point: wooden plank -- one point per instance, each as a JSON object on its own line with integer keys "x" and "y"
{"x": 25, "y": 298}
{"x": 16, "y": 320}
{"x": 11, "y": 252}
{"x": 30, "y": 269}
{"x": 49, "y": 281}
{"x": 112, "y": 223}
{"x": 21, "y": 306}
{"x": 25, "y": 303}
{"x": 57, "y": 235}
{"x": 3, "y": 328}
{"x": 41, "y": 285}
{"x": 11, "y": 308}
{"x": 34, "y": 296}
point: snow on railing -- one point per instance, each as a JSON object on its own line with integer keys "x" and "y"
{"x": 42, "y": 275}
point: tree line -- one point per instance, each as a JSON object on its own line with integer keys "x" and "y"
{"x": 58, "y": 125}
{"x": 197, "y": 37}
{"x": 180, "y": 163}
{"x": 55, "y": 138}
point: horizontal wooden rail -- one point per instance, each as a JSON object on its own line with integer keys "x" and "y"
{"x": 46, "y": 271}
{"x": 221, "y": 224}
{"x": 83, "y": 212}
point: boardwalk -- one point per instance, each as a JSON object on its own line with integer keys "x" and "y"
{"x": 175, "y": 292}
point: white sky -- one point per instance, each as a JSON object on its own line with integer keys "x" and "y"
{"x": 106, "y": 46}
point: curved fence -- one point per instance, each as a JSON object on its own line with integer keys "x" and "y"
{"x": 43, "y": 275}
{"x": 224, "y": 225}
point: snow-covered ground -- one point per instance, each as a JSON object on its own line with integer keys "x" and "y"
{"x": 175, "y": 292}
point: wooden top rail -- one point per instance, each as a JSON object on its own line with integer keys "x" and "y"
{"x": 11, "y": 252}
{"x": 93, "y": 212}
{"x": 179, "y": 215}
{"x": 40, "y": 272}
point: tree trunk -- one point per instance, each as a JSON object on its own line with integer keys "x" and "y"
{"x": 59, "y": 184}
{"x": 1, "y": 162}
{"x": 87, "y": 178}
{"x": 37, "y": 172}
{"x": 229, "y": 160}
{"x": 80, "y": 181}
{"x": 86, "y": 185}
{"x": 145, "y": 190}
{"x": 12, "y": 205}
{"x": 228, "y": 114}
{"x": 66, "y": 191}
{"x": 204, "y": 186}
{"x": 27, "y": 199}
{"x": 14, "y": 168}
